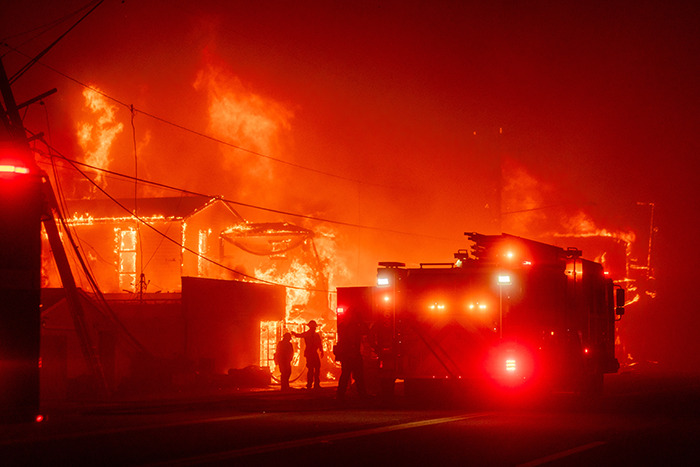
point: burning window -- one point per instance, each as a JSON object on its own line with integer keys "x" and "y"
{"x": 126, "y": 240}
{"x": 203, "y": 250}
{"x": 270, "y": 334}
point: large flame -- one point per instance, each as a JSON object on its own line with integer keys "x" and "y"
{"x": 245, "y": 119}
{"x": 299, "y": 275}
{"x": 96, "y": 138}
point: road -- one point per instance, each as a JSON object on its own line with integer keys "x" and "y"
{"x": 642, "y": 419}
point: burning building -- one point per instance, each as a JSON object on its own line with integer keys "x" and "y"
{"x": 186, "y": 283}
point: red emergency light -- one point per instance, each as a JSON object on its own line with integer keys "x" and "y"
{"x": 511, "y": 365}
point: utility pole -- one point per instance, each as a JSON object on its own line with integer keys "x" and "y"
{"x": 21, "y": 208}
{"x": 26, "y": 201}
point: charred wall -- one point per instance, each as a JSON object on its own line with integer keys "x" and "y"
{"x": 222, "y": 320}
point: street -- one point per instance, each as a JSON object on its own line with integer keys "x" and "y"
{"x": 647, "y": 418}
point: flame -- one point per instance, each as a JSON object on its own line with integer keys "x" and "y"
{"x": 96, "y": 138}
{"x": 126, "y": 241}
{"x": 87, "y": 219}
{"x": 246, "y": 119}
{"x": 299, "y": 275}
{"x": 203, "y": 247}
{"x": 582, "y": 225}
{"x": 331, "y": 263}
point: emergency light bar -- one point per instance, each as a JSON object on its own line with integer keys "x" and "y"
{"x": 13, "y": 169}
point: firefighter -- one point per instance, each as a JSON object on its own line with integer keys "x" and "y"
{"x": 313, "y": 348}
{"x": 348, "y": 352}
{"x": 283, "y": 358}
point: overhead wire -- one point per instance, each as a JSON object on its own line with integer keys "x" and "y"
{"x": 74, "y": 241}
{"x": 62, "y": 207}
{"x": 206, "y": 136}
{"x": 252, "y": 206}
{"x": 176, "y": 242}
{"x": 89, "y": 274}
{"x": 35, "y": 59}
{"x": 136, "y": 179}
{"x": 44, "y": 28}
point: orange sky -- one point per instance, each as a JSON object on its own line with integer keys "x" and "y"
{"x": 366, "y": 113}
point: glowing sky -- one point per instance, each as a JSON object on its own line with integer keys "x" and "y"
{"x": 404, "y": 112}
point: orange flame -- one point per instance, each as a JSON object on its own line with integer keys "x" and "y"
{"x": 96, "y": 138}
{"x": 582, "y": 225}
{"x": 299, "y": 275}
{"x": 246, "y": 119}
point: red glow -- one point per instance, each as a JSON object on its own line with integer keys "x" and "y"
{"x": 511, "y": 365}
{"x": 340, "y": 310}
{"x": 39, "y": 418}
{"x": 322, "y": 137}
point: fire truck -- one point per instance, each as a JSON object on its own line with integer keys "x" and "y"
{"x": 509, "y": 314}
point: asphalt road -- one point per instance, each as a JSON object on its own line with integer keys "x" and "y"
{"x": 644, "y": 418}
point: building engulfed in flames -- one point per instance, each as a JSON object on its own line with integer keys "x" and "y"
{"x": 191, "y": 280}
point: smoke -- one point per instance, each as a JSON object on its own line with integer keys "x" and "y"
{"x": 523, "y": 198}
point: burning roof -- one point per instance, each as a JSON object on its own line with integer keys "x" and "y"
{"x": 172, "y": 208}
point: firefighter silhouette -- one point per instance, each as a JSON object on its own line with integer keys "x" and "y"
{"x": 348, "y": 352}
{"x": 283, "y": 358}
{"x": 313, "y": 350}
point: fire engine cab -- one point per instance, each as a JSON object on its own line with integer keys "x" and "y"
{"x": 510, "y": 313}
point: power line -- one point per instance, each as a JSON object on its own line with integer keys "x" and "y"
{"x": 47, "y": 49}
{"x": 538, "y": 208}
{"x": 46, "y": 27}
{"x": 206, "y": 136}
{"x": 176, "y": 242}
{"x": 246, "y": 205}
